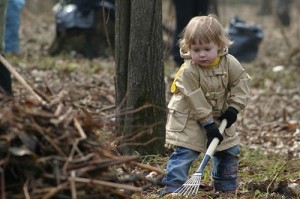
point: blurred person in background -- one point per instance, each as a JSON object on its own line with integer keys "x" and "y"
{"x": 186, "y": 10}
{"x": 12, "y": 40}
{"x": 10, "y": 12}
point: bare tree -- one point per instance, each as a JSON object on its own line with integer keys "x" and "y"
{"x": 139, "y": 80}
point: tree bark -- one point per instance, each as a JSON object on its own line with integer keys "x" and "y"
{"x": 140, "y": 88}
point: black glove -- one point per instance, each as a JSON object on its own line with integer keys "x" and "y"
{"x": 230, "y": 115}
{"x": 5, "y": 80}
{"x": 212, "y": 132}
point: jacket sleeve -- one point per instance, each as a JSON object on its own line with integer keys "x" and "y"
{"x": 238, "y": 87}
{"x": 188, "y": 83}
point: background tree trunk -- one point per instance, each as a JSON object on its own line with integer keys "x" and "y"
{"x": 265, "y": 7}
{"x": 3, "y": 4}
{"x": 140, "y": 88}
{"x": 282, "y": 10}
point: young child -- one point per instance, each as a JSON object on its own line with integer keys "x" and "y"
{"x": 210, "y": 86}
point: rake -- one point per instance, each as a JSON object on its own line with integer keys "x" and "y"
{"x": 191, "y": 186}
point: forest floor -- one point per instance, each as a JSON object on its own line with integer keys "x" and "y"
{"x": 269, "y": 126}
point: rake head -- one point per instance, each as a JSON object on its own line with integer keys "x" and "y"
{"x": 191, "y": 186}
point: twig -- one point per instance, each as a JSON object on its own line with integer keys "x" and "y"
{"x": 61, "y": 118}
{"x": 41, "y": 131}
{"x": 99, "y": 164}
{"x": 25, "y": 189}
{"x": 53, "y": 191}
{"x": 108, "y": 108}
{"x": 58, "y": 109}
{"x": 148, "y": 167}
{"x": 72, "y": 184}
{"x": 108, "y": 184}
{"x": 272, "y": 182}
{"x": 276, "y": 176}
{"x": 79, "y": 128}
{"x": 140, "y": 143}
{"x": 75, "y": 145}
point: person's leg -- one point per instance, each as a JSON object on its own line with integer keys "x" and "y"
{"x": 200, "y": 7}
{"x": 184, "y": 12}
{"x": 178, "y": 168}
{"x": 225, "y": 169}
{"x": 14, "y": 8}
{"x": 5, "y": 81}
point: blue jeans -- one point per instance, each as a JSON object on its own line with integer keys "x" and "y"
{"x": 225, "y": 169}
{"x": 14, "y": 8}
{"x": 224, "y": 172}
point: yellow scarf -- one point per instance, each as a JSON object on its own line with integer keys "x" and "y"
{"x": 174, "y": 87}
{"x": 215, "y": 62}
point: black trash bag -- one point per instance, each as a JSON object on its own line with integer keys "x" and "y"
{"x": 69, "y": 16}
{"x": 246, "y": 39}
{"x": 79, "y": 13}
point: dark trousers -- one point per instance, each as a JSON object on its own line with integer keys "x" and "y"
{"x": 185, "y": 10}
{"x": 5, "y": 80}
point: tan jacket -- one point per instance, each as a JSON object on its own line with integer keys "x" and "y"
{"x": 203, "y": 94}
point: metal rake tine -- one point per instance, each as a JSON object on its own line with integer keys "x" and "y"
{"x": 181, "y": 190}
{"x": 186, "y": 186}
{"x": 193, "y": 185}
{"x": 184, "y": 193}
{"x": 190, "y": 191}
{"x": 194, "y": 189}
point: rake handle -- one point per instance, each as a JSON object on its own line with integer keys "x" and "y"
{"x": 214, "y": 143}
{"x": 211, "y": 149}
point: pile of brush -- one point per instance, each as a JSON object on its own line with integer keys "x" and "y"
{"x": 53, "y": 150}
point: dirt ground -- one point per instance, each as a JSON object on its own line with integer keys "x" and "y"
{"x": 269, "y": 123}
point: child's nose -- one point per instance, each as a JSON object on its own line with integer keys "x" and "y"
{"x": 202, "y": 54}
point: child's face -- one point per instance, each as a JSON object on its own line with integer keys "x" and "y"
{"x": 204, "y": 54}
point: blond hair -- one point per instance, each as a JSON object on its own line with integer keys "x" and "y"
{"x": 204, "y": 29}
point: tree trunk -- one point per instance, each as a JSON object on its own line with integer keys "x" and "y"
{"x": 265, "y": 7}
{"x": 213, "y": 7}
{"x": 140, "y": 88}
{"x": 282, "y": 10}
{"x": 3, "y": 4}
